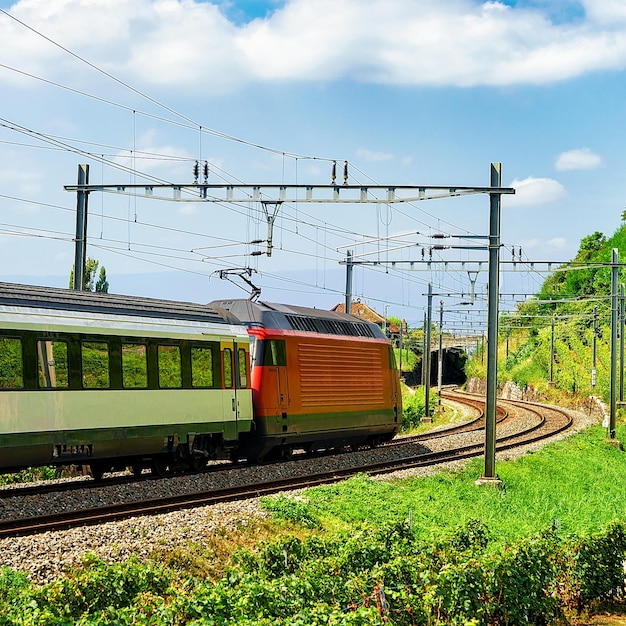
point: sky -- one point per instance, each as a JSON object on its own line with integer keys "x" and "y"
{"x": 271, "y": 92}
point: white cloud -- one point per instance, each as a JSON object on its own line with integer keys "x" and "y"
{"x": 154, "y": 159}
{"x": 190, "y": 44}
{"x": 21, "y": 178}
{"x": 605, "y": 11}
{"x": 187, "y": 208}
{"x": 373, "y": 155}
{"x": 531, "y": 244}
{"x": 533, "y": 192}
{"x": 581, "y": 159}
{"x": 557, "y": 242}
{"x": 546, "y": 249}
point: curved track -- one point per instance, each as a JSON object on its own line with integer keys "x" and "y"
{"x": 536, "y": 422}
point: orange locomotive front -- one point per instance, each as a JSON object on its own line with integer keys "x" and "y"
{"x": 320, "y": 379}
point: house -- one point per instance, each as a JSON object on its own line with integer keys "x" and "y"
{"x": 360, "y": 309}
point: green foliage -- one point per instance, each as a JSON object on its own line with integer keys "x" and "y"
{"x": 95, "y": 364}
{"x": 294, "y": 510}
{"x": 569, "y": 296}
{"x": 595, "y": 563}
{"x": 392, "y": 319}
{"x": 588, "y": 281}
{"x": 409, "y": 359}
{"x": 170, "y": 368}
{"x": 134, "y": 365}
{"x": 202, "y": 367}
{"x": 32, "y": 474}
{"x": 97, "y": 594}
{"x": 367, "y": 577}
{"x": 11, "y": 371}
{"x": 413, "y": 408}
{"x": 436, "y": 551}
{"x": 100, "y": 285}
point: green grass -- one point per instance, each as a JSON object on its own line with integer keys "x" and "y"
{"x": 449, "y": 568}
{"x": 576, "y": 483}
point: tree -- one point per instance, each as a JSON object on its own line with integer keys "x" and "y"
{"x": 584, "y": 281}
{"x": 102, "y": 286}
{"x": 91, "y": 284}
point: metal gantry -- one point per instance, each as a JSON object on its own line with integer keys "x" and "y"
{"x": 291, "y": 193}
{"x": 276, "y": 195}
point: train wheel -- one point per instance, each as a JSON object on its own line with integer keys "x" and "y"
{"x": 286, "y": 453}
{"x": 97, "y": 471}
{"x": 197, "y": 462}
{"x": 159, "y": 465}
{"x": 136, "y": 469}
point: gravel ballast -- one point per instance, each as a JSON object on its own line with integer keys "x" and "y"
{"x": 46, "y": 556}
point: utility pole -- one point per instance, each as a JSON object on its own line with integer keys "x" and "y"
{"x": 621, "y": 343}
{"x": 551, "y": 378}
{"x": 440, "y": 364}
{"x": 400, "y": 345}
{"x": 80, "y": 249}
{"x": 613, "y": 409}
{"x": 594, "y": 351}
{"x": 424, "y": 351}
{"x": 349, "y": 268}
{"x": 429, "y": 318}
{"x": 493, "y": 293}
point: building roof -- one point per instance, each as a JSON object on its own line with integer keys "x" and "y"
{"x": 362, "y": 310}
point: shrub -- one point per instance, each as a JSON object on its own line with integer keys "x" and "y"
{"x": 595, "y": 567}
{"x": 292, "y": 510}
{"x": 413, "y": 408}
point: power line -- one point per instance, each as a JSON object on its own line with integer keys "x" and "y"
{"x": 156, "y": 102}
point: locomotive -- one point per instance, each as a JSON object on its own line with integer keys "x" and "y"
{"x": 110, "y": 381}
{"x": 320, "y": 379}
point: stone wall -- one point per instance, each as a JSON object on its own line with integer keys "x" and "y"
{"x": 591, "y": 405}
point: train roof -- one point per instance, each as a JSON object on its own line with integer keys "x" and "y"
{"x": 307, "y": 319}
{"x": 15, "y": 295}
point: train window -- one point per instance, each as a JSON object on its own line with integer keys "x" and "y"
{"x": 134, "y": 366}
{"x": 53, "y": 368}
{"x": 201, "y": 367}
{"x": 170, "y": 372}
{"x": 95, "y": 363}
{"x": 253, "y": 351}
{"x": 228, "y": 368}
{"x": 275, "y": 353}
{"x": 11, "y": 367}
{"x": 241, "y": 359}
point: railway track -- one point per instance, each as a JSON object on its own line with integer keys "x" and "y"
{"x": 539, "y": 422}
{"x": 87, "y": 482}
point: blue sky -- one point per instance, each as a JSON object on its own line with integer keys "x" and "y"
{"x": 407, "y": 91}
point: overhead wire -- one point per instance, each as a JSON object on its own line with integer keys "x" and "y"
{"x": 63, "y": 145}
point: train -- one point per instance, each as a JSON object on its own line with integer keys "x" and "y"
{"x": 109, "y": 382}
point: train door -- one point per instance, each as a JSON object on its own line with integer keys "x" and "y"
{"x": 243, "y": 387}
{"x": 237, "y": 398}
{"x": 396, "y": 392}
{"x": 276, "y": 366}
{"x": 230, "y": 409}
